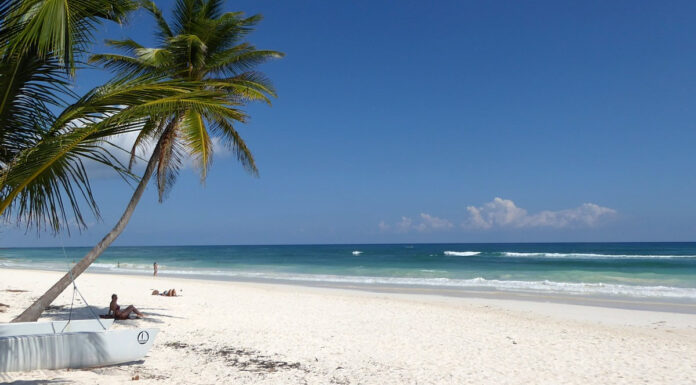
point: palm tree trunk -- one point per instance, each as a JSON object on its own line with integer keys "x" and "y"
{"x": 33, "y": 312}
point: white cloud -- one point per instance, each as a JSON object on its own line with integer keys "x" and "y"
{"x": 404, "y": 225}
{"x": 424, "y": 223}
{"x": 125, "y": 141}
{"x": 434, "y": 223}
{"x": 501, "y": 213}
{"x": 504, "y": 213}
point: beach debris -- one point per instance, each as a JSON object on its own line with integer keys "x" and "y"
{"x": 339, "y": 380}
{"x": 136, "y": 377}
{"x": 15, "y": 291}
{"x": 244, "y": 359}
{"x": 176, "y": 345}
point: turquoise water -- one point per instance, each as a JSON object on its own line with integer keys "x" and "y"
{"x": 665, "y": 270}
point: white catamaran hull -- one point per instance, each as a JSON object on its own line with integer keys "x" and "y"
{"x": 74, "y": 350}
{"x": 50, "y": 327}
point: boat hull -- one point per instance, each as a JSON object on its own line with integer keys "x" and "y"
{"x": 50, "y": 327}
{"x": 74, "y": 350}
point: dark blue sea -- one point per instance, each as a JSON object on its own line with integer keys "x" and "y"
{"x": 666, "y": 270}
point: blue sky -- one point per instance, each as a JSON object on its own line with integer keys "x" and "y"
{"x": 404, "y": 121}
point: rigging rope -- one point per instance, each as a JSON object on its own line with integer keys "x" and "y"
{"x": 75, "y": 290}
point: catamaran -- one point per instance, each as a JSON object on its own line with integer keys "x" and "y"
{"x": 74, "y": 350}
{"x": 71, "y": 344}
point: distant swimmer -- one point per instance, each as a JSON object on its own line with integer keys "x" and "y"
{"x": 154, "y": 266}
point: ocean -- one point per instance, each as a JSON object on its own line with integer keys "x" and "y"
{"x": 647, "y": 270}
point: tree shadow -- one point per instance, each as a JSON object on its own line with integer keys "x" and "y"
{"x": 62, "y": 313}
{"x": 34, "y": 382}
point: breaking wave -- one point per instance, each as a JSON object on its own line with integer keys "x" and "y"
{"x": 571, "y": 288}
{"x": 462, "y": 253}
{"x": 593, "y": 256}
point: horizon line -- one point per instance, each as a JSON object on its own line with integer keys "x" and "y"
{"x": 355, "y": 244}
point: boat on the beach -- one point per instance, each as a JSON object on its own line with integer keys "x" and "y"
{"x": 74, "y": 350}
{"x": 48, "y": 327}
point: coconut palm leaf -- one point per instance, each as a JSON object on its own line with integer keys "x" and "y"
{"x": 60, "y": 28}
{"x": 34, "y": 183}
{"x": 236, "y": 60}
{"x": 164, "y": 32}
{"x": 233, "y": 140}
{"x": 128, "y": 45}
{"x": 29, "y": 87}
{"x": 195, "y": 137}
{"x": 41, "y": 42}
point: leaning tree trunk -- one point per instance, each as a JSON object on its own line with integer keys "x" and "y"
{"x": 33, "y": 312}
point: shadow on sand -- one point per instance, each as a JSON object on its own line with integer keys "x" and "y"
{"x": 62, "y": 313}
{"x": 33, "y": 382}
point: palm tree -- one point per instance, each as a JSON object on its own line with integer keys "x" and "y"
{"x": 203, "y": 46}
{"x": 40, "y": 41}
{"x": 206, "y": 45}
{"x": 42, "y": 177}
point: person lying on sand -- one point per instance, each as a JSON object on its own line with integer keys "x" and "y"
{"x": 122, "y": 314}
{"x": 166, "y": 293}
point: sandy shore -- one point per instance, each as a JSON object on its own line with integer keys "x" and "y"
{"x": 250, "y": 333}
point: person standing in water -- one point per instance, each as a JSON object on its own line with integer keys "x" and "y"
{"x": 154, "y": 266}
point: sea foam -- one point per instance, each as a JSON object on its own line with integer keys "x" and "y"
{"x": 570, "y": 288}
{"x": 592, "y": 255}
{"x": 541, "y": 286}
{"x": 462, "y": 253}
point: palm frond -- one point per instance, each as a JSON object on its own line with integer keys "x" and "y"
{"x": 234, "y": 141}
{"x": 61, "y": 28}
{"x": 34, "y": 183}
{"x": 121, "y": 63}
{"x": 164, "y": 32}
{"x": 29, "y": 88}
{"x": 185, "y": 12}
{"x": 239, "y": 59}
{"x": 150, "y": 129}
{"x": 212, "y": 9}
{"x": 169, "y": 161}
{"x": 250, "y": 85}
{"x": 196, "y": 139}
{"x": 230, "y": 29}
{"x": 191, "y": 49}
{"x": 128, "y": 45}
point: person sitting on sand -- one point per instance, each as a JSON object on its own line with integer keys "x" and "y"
{"x": 122, "y": 314}
{"x": 166, "y": 293}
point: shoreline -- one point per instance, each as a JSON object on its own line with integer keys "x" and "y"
{"x": 655, "y": 304}
{"x": 271, "y": 333}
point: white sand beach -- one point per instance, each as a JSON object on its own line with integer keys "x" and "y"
{"x": 251, "y": 333}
